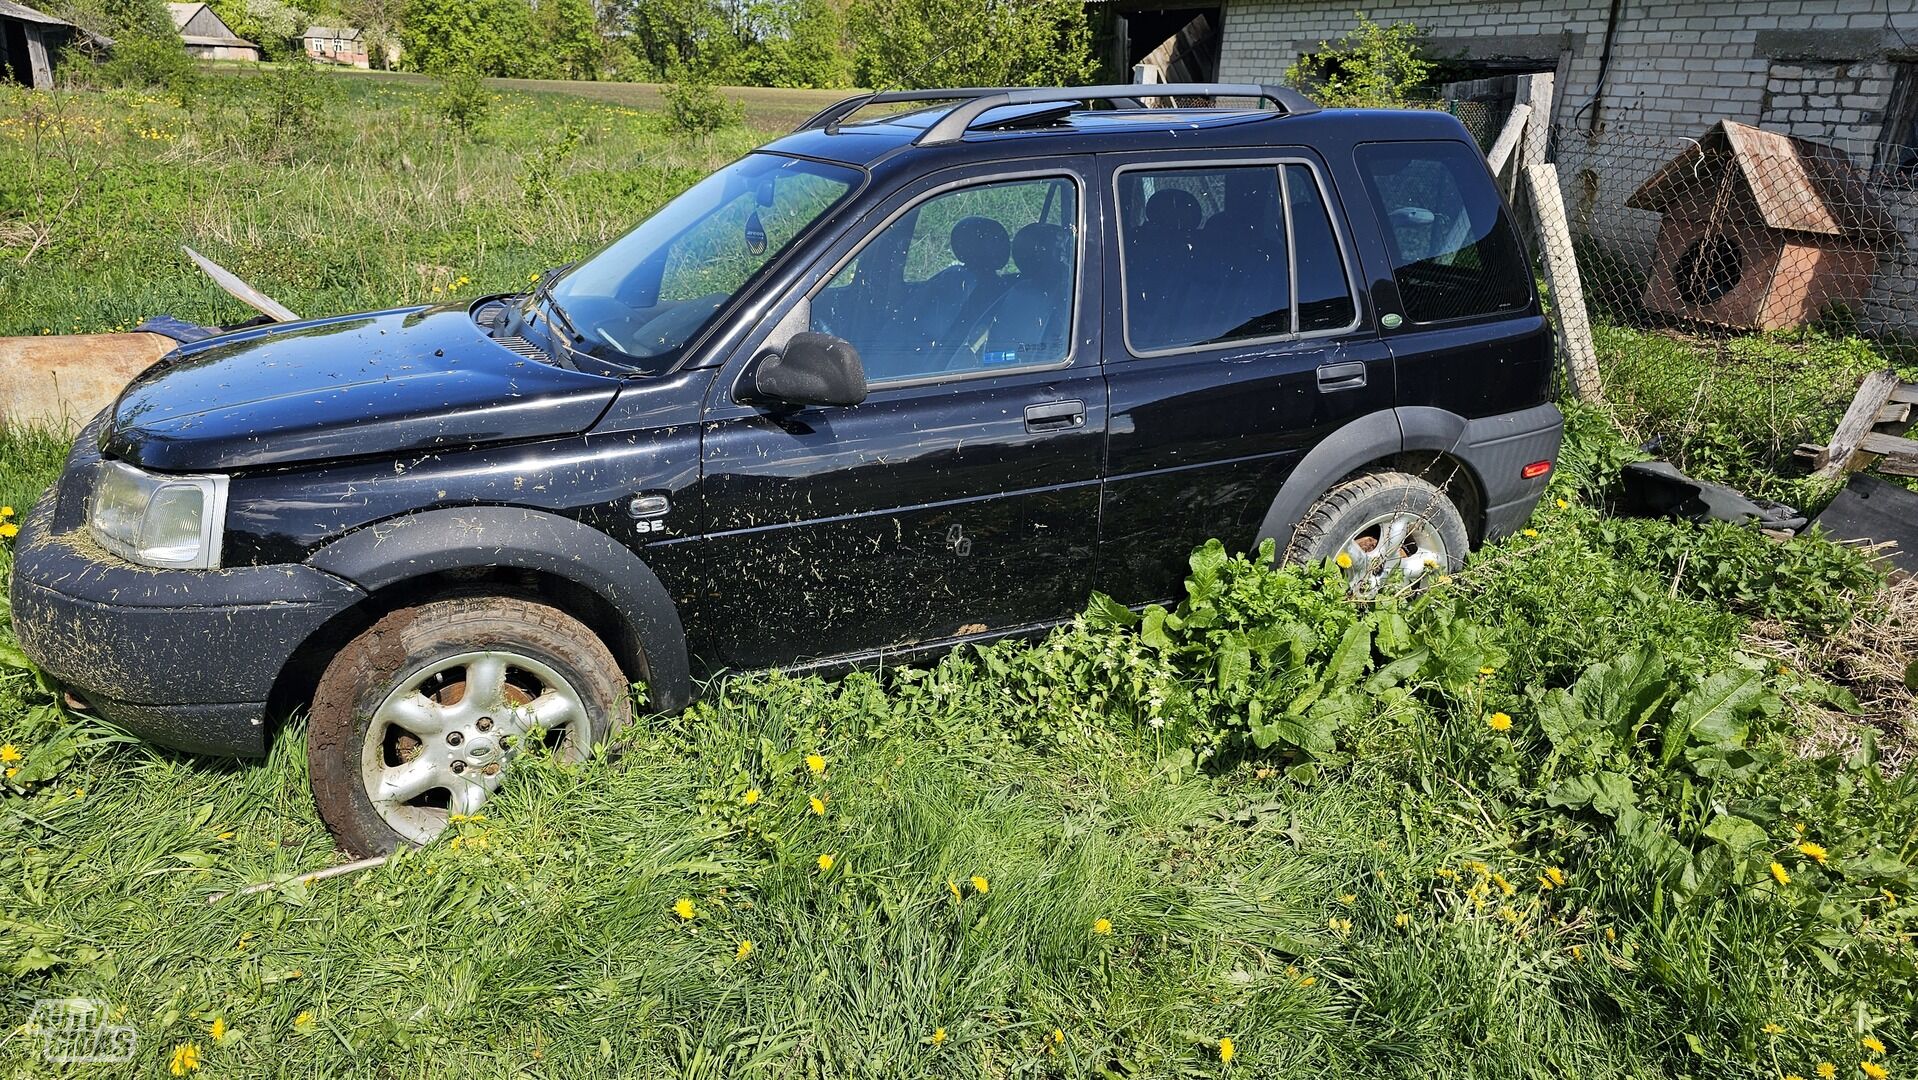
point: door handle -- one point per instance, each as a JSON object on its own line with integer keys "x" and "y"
{"x": 1349, "y": 375}
{"x": 1055, "y": 416}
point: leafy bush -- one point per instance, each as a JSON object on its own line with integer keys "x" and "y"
{"x": 694, "y": 107}
{"x": 1373, "y": 67}
{"x": 462, "y": 99}
{"x": 140, "y": 61}
{"x": 291, "y": 113}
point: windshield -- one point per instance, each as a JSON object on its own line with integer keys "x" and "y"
{"x": 640, "y": 299}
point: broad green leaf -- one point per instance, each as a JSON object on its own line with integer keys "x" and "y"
{"x": 1104, "y": 611}
{"x": 1234, "y": 663}
{"x": 1712, "y": 713}
{"x": 1152, "y": 629}
{"x": 1736, "y": 833}
{"x": 1609, "y": 793}
{"x": 1352, "y": 657}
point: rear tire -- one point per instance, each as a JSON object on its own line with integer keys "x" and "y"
{"x": 419, "y": 717}
{"x": 1384, "y": 523}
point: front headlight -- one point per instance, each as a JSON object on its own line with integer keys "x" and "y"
{"x": 173, "y": 522}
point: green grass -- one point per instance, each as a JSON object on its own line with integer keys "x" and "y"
{"x": 1320, "y": 885}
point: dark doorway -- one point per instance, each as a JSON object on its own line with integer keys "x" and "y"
{"x": 1183, "y": 43}
{"x": 19, "y": 66}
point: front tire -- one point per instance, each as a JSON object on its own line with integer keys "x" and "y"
{"x": 420, "y": 717}
{"x": 1389, "y": 526}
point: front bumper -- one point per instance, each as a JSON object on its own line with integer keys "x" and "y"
{"x": 183, "y": 658}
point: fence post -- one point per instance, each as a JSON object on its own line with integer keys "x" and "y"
{"x": 1555, "y": 238}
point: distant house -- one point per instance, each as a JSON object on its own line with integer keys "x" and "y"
{"x": 344, "y": 45}
{"x": 207, "y": 37}
{"x": 29, "y": 44}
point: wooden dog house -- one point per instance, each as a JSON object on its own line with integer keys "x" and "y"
{"x": 1762, "y": 230}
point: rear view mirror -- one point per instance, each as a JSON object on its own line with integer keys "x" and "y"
{"x": 813, "y": 369}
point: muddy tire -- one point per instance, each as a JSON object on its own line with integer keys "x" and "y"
{"x": 420, "y": 717}
{"x": 1384, "y": 523}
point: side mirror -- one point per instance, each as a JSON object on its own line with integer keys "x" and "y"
{"x": 813, "y": 369}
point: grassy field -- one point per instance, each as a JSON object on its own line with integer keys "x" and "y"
{"x": 1620, "y": 799}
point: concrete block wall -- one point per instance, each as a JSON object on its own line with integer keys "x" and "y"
{"x": 1821, "y": 69}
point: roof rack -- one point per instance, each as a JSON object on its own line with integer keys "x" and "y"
{"x": 976, "y": 101}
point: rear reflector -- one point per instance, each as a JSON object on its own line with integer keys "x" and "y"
{"x": 1535, "y": 470}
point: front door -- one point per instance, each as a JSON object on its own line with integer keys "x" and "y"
{"x": 962, "y": 497}
{"x": 1240, "y": 344}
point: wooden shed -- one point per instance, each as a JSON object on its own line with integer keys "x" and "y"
{"x": 207, "y": 36}
{"x": 30, "y": 42}
{"x": 1762, "y": 230}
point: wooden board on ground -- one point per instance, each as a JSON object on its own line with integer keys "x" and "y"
{"x": 60, "y": 381}
{"x": 1846, "y": 450}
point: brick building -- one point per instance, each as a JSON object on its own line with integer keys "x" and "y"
{"x": 1638, "y": 79}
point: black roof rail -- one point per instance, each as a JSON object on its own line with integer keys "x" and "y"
{"x": 976, "y": 101}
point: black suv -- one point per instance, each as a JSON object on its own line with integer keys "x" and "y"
{"x": 879, "y": 387}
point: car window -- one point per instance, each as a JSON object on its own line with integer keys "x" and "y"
{"x": 979, "y": 278}
{"x": 1324, "y": 286}
{"x": 1453, "y": 250}
{"x": 1205, "y": 256}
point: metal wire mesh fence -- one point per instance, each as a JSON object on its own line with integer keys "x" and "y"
{"x": 1740, "y": 280}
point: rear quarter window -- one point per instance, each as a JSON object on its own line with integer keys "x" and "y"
{"x": 1454, "y": 253}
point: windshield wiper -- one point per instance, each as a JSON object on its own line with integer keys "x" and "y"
{"x": 544, "y": 291}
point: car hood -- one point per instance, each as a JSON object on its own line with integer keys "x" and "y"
{"x": 389, "y": 382}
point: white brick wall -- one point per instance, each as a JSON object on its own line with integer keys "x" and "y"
{"x": 1677, "y": 68}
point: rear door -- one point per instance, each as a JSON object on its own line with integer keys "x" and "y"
{"x": 961, "y": 498}
{"x": 1465, "y": 323}
{"x": 1240, "y": 343}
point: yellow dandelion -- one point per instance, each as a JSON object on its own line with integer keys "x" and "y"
{"x": 1578, "y": 953}
{"x": 683, "y": 907}
{"x": 825, "y": 863}
{"x": 1499, "y": 721}
{"x": 6, "y": 511}
{"x": 1873, "y": 1070}
{"x": 938, "y": 1036}
{"x": 1348, "y": 899}
{"x": 1226, "y": 1050}
{"x": 9, "y": 530}
{"x": 304, "y": 1022}
{"x": 1562, "y": 504}
{"x": 1815, "y": 852}
{"x": 1447, "y": 873}
{"x": 816, "y": 764}
{"x": 10, "y": 754}
{"x": 745, "y": 949}
{"x": 1780, "y": 874}
{"x": 1504, "y": 886}
{"x": 1611, "y": 934}
{"x": 1773, "y": 1028}
{"x": 1871, "y": 1043}
{"x": 1487, "y": 671}
{"x": 1555, "y": 875}
{"x": 1102, "y": 926}
{"x": 186, "y": 1058}
{"x": 1344, "y": 560}
{"x": 1826, "y": 1070}
{"x": 1531, "y": 532}
{"x": 751, "y": 797}
{"x": 1308, "y": 980}
{"x": 818, "y": 805}
{"x": 1401, "y": 920}
{"x": 218, "y": 1030}
{"x": 981, "y": 885}
{"x": 1058, "y": 1037}
{"x": 953, "y": 888}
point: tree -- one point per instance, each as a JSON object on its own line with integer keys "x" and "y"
{"x": 569, "y": 31}
{"x": 1373, "y": 67}
{"x": 275, "y": 25}
{"x": 904, "y": 44}
{"x": 802, "y": 43}
{"x": 494, "y": 37}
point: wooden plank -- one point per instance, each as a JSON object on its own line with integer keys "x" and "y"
{"x": 1508, "y": 137}
{"x": 59, "y": 381}
{"x": 1535, "y": 92}
{"x": 1857, "y": 423}
{"x": 1898, "y": 466}
{"x": 1895, "y": 413}
{"x": 1906, "y": 393}
{"x": 241, "y": 291}
{"x": 1561, "y": 274}
{"x": 1877, "y": 442}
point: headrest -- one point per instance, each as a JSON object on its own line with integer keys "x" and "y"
{"x": 1174, "y": 208}
{"x": 981, "y": 243}
{"x": 1041, "y": 247}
